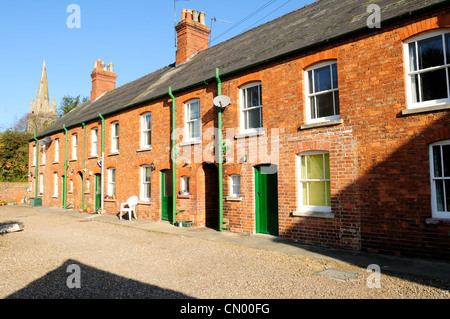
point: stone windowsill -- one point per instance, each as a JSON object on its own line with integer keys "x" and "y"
{"x": 145, "y": 203}
{"x": 438, "y": 221}
{"x": 54, "y": 196}
{"x": 144, "y": 149}
{"x": 113, "y": 154}
{"x": 233, "y": 199}
{"x": 184, "y": 196}
{"x": 249, "y": 134}
{"x": 190, "y": 143}
{"x": 426, "y": 109}
{"x": 93, "y": 156}
{"x": 42, "y": 164}
{"x": 312, "y": 214}
{"x": 73, "y": 160}
{"x": 321, "y": 124}
{"x": 109, "y": 200}
{"x": 55, "y": 163}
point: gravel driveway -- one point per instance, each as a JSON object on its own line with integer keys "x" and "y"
{"x": 122, "y": 262}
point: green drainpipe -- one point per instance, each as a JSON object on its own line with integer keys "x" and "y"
{"x": 220, "y": 150}
{"x": 66, "y": 165}
{"x": 103, "y": 161}
{"x": 84, "y": 162}
{"x": 174, "y": 158}
{"x": 36, "y": 172}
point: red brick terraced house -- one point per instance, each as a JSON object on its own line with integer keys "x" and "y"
{"x": 319, "y": 127}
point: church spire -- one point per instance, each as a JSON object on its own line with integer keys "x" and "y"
{"x": 42, "y": 99}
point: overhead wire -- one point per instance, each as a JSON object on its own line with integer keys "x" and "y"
{"x": 267, "y": 4}
{"x": 267, "y": 15}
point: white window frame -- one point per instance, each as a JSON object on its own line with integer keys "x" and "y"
{"x": 145, "y": 130}
{"x": 309, "y": 95}
{"x": 41, "y": 184}
{"x": 44, "y": 154}
{"x": 435, "y": 213}
{"x": 111, "y": 181}
{"x": 34, "y": 155}
{"x": 57, "y": 150}
{"x": 145, "y": 183}
{"x": 74, "y": 146}
{"x": 94, "y": 142}
{"x": 410, "y": 73}
{"x": 188, "y": 121}
{"x": 235, "y": 181}
{"x": 244, "y": 109}
{"x": 115, "y": 137}
{"x": 55, "y": 185}
{"x": 185, "y": 184}
{"x": 302, "y": 181}
{"x": 71, "y": 186}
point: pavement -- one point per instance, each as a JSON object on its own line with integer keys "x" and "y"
{"x": 412, "y": 266}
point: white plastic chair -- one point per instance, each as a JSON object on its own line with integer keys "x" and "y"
{"x": 129, "y": 207}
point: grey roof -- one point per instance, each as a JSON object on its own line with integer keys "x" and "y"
{"x": 312, "y": 25}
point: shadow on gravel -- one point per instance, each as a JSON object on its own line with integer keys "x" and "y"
{"x": 94, "y": 284}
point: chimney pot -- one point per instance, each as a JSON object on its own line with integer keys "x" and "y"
{"x": 195, "y": 15}
{"x": 202, "y": 18}
{"x": 183, "y": 14}
{"x": 189, "y": 14}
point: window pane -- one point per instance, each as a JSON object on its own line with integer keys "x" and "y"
{"x": 147, "y": 191}
{"x": 446, "y": 159}
{"x": 148, "y": 122}
{"x": 194, "y": 109}
{"x": 313, "y": 108}
{"x": 303, "y": 172}
{"x": 327, "y": 166}
{"x": 116, "y": 129}
{"x": 253, "y": 97}
{"x": 336, "y": 103}
{"x": 147, "y": 175}
{"x": 194, "y": 129}
{"x": 437, "y": 161}
{"x": 305, "y": 194}
{"x": 325, "y": 105}
{"x": 431, "y": 52}
{"x": 148, "y": 138}
{"x": 317, "y": 194}
{"x": 440, "y": 195}
{"x": 434, "y": 85}
{"x": 447, "y": 46}
{"x": 447, "y": 194}
{"x": 254, "y": 118}
{"x": 310, "y": 79}
{"x": 415, "y": 88}
{"x": 412, "y": 57}
{"x": 315, "y": 167}
{"x": 322, "y": 79}
{"x": 335, "y": 76}
{"x": 328, "y": 193}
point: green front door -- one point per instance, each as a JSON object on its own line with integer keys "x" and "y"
{"x": 98, "y": 192}
{"x": 166, "y": 195}
{"x": 266, "y": 200}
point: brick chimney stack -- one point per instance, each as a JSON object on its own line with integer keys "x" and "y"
{"x": 103, "y": 79}
{"x": 192, "y": 35}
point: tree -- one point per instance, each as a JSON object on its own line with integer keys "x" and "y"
{"x": 68, "y": 103}
{"x": 14, "y": 155}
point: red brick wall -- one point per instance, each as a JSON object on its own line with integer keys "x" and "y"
{"x": 380, "y": 184}
{"x": 13, "y": 192}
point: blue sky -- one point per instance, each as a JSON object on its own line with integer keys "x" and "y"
{"x": 137, "y": 36}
